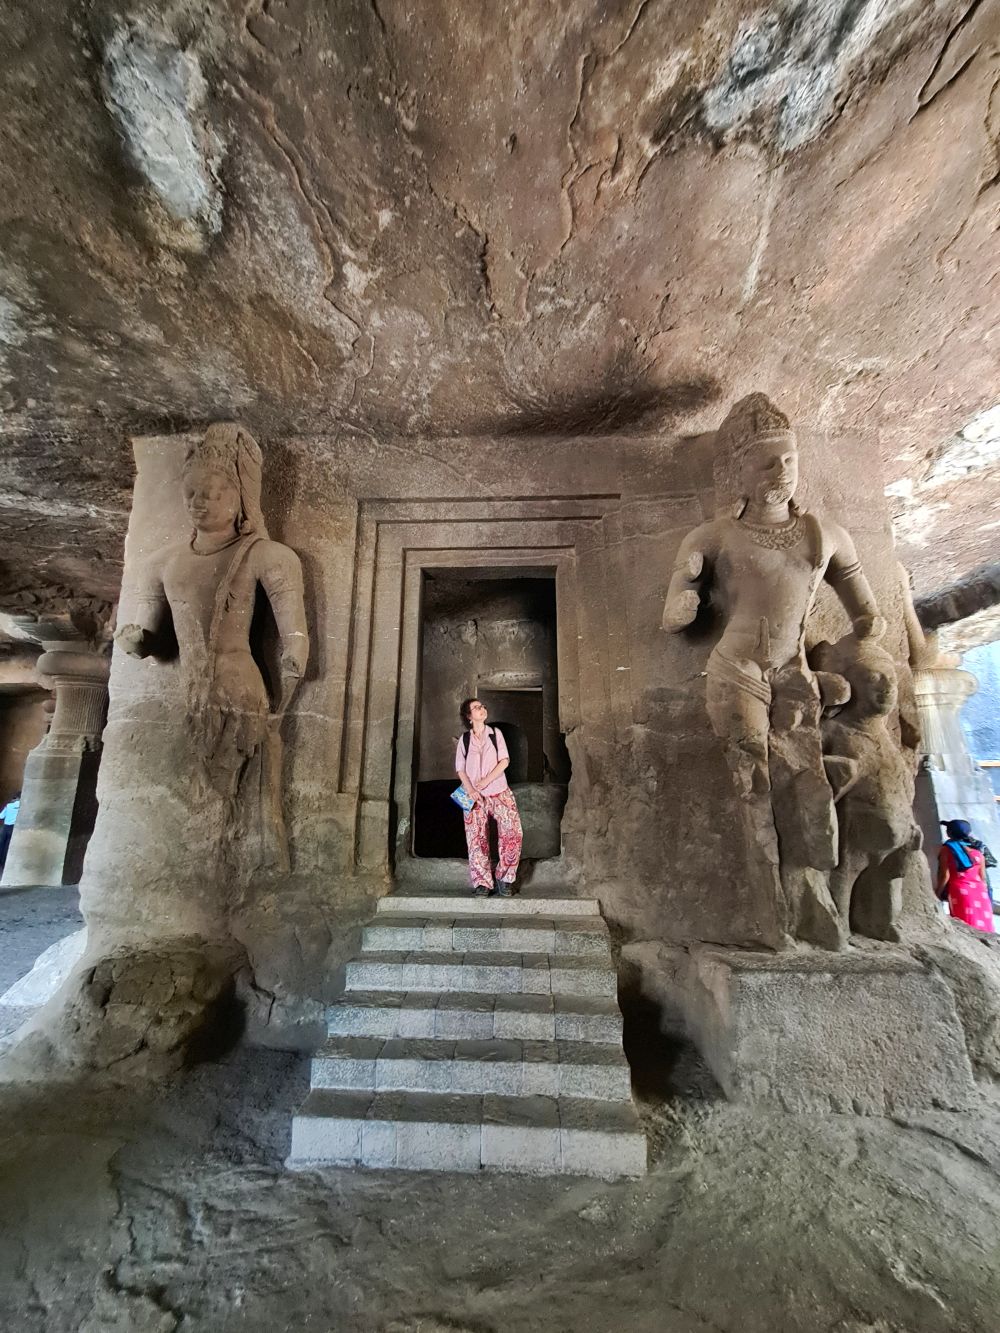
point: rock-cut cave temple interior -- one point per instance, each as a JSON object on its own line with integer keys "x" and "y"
{"x": 499, "y": 684}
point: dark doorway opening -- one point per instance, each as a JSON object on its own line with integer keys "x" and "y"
{"x": 492, "y": 636}
{"x": 518, "y": 714}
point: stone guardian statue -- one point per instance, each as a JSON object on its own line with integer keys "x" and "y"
{"x": 208, "y": 584}
{"x": 760, "y": 562}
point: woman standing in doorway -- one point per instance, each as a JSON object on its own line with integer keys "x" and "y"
{"x": 962, "y": 878}
{"x": 480, "y": 761}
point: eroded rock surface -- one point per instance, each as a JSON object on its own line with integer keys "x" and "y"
{"x": 551, "y": 218}
{"x": 170, "y": 1210}
{"x": 147, "y": 1010}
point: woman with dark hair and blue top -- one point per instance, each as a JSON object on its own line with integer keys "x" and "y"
{"x": 962, "y": 878}
{"x": 991, "y": 861}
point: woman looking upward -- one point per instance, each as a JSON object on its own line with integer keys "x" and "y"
{"x": 480, "y": 761}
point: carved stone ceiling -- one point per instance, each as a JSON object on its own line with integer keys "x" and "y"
{"x": 436, "y": 217}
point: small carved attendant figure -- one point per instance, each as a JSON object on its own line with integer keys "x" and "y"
{"x": 873, "y": 786}
{"x": 210, "y": 584}
{"x": 762, "y": 560}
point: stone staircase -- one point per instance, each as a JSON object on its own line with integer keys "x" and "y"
{"x": 475, "y": 1034}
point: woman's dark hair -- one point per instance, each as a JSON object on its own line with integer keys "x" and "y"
{"x": 465, "y": 710}
{"x": 958, "y": 829}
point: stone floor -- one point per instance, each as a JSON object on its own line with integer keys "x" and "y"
{"x": 30, "y": 920}
{"x": 170, "y": 1211}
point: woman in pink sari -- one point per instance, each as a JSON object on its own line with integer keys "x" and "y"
{"x": 962, "y": 878}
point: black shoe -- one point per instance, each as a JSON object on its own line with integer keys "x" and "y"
{"x": 481, "y": 891}
{"x": 505, "y": 890}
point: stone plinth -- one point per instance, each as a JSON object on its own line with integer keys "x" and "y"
{"x": 60, "y": 774}
{"x": 866, "y": 1033}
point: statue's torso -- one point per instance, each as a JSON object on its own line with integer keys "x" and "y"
{"x": 765, "y": 594}
{"x": 193, "y": 586}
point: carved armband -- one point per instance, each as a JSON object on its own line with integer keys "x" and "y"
{"x": 846, "y": 573}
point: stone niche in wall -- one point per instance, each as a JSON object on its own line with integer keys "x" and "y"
{"x": 492, "y": 636}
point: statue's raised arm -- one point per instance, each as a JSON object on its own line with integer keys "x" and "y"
{"x": 846, "y": 577}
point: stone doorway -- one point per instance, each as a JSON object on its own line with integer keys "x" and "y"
{"x": 518, "y": 713}
{"x": 493, "y": 634}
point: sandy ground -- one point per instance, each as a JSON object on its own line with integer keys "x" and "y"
{"x": 170, "y": 1210}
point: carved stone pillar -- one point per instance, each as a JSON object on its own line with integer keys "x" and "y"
{"x": 951, "y": 785}
{"x": 58, "y": 794}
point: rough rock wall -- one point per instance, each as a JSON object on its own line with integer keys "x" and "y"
{"x": 484, "y": 218}
{"x": 651, "y": 823}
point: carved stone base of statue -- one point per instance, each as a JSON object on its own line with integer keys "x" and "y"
{"x": 136, "y": 1010}
{"x": 873, "y": 1033}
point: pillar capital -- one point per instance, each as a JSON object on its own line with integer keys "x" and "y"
{"x": 940, "y": 692}
{"x": 78, "y": 676}
{"x": 72, "y": 666}
{"x": 944, "y": 685}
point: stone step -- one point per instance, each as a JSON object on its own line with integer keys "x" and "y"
{"x": 457, "y": 1015}
{"x": 482, "y": 972}
{"x": 463, "y": 904}
{"x": 582, "y": 936}
{"x": 499, "y": 1065}
{"x": 423, "y": 1131}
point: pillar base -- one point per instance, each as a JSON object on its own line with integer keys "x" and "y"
{"x": 870, "y": 1033}
{"x": 38, "y": 845}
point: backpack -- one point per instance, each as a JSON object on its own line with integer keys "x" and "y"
{"x": 988, "y": 857}
{"x": 490, "y": 731}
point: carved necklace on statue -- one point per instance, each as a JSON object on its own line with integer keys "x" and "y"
{"x": 779, "y": 538}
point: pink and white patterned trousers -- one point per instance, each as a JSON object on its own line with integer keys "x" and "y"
{"x": 503, "y": 808}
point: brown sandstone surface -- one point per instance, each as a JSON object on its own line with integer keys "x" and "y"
{"x": 488, "y": 219}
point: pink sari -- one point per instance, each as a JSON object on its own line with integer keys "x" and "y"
{"x": 968, "y": 896}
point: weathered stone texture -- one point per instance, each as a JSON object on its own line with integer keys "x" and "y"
{"x": 648, "y": 779}
{"x": 141, "y": 1010}
{"x": 593, "y": 217}
{"x": 874, "y": 1033}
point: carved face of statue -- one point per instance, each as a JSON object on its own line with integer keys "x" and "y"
{"x": 212, "y": 499}
{"x": 875, "y": 691}
{"x": 771, "y": 471}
